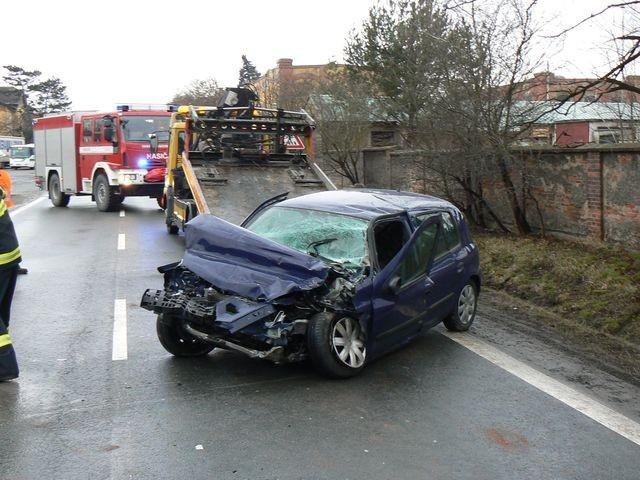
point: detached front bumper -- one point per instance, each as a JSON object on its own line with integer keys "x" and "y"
{"x": 221, "y": 313}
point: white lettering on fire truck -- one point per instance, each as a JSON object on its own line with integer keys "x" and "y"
{"x": 157, "y": 156}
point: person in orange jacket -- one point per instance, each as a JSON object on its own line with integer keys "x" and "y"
{"x": 10, "y": 258}
{"x": 5, "y": 185}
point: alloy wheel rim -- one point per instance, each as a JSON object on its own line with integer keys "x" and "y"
{"x": 466, "y": 304}
{"x": 347, "y": 340}
{"x": 102, "y": 193}
{"x": 55, "y": 187}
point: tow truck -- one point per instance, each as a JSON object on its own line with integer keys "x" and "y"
{"x": 229, "y": 159}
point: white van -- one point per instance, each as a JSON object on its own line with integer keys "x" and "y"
{"x": 22, "y": 156}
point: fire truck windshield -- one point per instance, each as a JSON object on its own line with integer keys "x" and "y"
{"x": 138, "y": 129}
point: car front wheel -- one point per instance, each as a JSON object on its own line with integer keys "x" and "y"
{"x": 465, "y": 310}
{"x": 336, "y": 345}
{"x": 176, "y": 341}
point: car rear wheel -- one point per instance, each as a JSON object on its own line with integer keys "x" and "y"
{"x": 176, "y": 341}
{"x": 465, "y": 310}
{"x": 58, "y": 198}
{"x": 336, "y": 345}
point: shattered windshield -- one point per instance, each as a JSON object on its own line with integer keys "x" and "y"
{"x": 337, "y": 238}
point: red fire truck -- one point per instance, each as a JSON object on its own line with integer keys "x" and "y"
{"x": 109, "y": 156}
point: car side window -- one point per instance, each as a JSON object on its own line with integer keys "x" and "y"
{"x": 389, "y": 237}
{"x": 415, "y": 262}
{"x": 87, "y": 129}
{"x": 97, "y": 131}
{"x": 449, "y": 238}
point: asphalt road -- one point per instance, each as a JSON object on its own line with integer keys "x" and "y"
{"x": 24, "y": 188}
{"x": 434, "y": 409}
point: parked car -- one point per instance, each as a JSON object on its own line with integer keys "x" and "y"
{"x": 340, "y": 277}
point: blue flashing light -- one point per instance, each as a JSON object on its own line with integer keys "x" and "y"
{"x": 143, "y": 162}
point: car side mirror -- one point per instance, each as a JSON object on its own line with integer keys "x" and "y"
{"x": 394, "y": 285}
{"x": 153, "y": 142}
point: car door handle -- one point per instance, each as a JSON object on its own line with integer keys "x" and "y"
{"x": 460, "y": 267}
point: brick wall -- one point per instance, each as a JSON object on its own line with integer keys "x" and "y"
{"x": 587, "y": 192}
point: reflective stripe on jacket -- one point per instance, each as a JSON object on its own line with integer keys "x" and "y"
{"x": 9, "y": 249}
{"x": 5, "y": 340}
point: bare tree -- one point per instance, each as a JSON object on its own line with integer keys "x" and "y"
{"x": 614, "y": 79}
{"x": 455, "y": 74}
{"x": 205, "y": 92}
{"x": 342, "y": 111}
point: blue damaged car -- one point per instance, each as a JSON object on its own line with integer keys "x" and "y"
{"x": 339, "y": 277}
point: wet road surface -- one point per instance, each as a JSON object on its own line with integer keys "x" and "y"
{"x": 432, "y": 410}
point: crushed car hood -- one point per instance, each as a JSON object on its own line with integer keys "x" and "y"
{"x": 236, "y": 260}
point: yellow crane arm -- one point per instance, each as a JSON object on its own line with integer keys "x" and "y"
{"x": 196, "y": 191}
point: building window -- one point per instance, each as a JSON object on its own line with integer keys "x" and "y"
{"x": 383, "y": 138}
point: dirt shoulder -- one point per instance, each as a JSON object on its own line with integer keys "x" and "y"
{"x": 592, "y": 286}
{"x": 601, "y": 350}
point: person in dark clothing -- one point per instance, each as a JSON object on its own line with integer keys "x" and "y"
{"x": 10, "y": 258}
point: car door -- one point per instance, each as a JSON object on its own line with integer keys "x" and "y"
{"x": 447, "y": 270}
{"x": 401, "y": 290}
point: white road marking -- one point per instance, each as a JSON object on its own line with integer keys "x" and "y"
{"x": 199, "y": 447}
{"x": 122, "y": 213}
{"x": 591, "y": 408}
{"x": 26, "y": 206}
{"x": 121, "y": 241}
{"x": 119, "y": 351}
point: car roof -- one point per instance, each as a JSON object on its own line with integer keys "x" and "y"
{"x": 365, "y": 203}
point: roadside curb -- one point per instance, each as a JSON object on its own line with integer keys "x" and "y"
{"x": 21, "y": 208}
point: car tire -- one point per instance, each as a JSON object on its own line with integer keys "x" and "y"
{"x": 104, "y": 197}
{"x": 57, "y": 197}
{"x": 326, "y": 337}
{"x": 463, "y": 314}
{"x": 176, "y": 341}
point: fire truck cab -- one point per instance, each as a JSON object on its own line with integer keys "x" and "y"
{"x": 109, "y": 156}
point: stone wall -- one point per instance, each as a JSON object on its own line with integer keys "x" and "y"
{"x": 590, "y": 192}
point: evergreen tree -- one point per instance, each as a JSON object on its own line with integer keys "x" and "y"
{"x": 248, "y": 72}
{"x": 50, "y": 96}
{"x": 20, "y": 78}
{"x": 40, "y": 96}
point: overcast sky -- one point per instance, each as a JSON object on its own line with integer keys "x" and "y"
{"x": 143, "y": 51}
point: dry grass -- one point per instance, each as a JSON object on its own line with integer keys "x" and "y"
{"x": 596, "y": 286}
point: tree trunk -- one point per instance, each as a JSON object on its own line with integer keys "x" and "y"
{"x": 519, "y": 217}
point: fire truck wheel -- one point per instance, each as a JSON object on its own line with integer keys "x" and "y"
{"x": 176, "y": 341}
{"x": 105, "y": 199}
{"x": 58, "y": 198}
